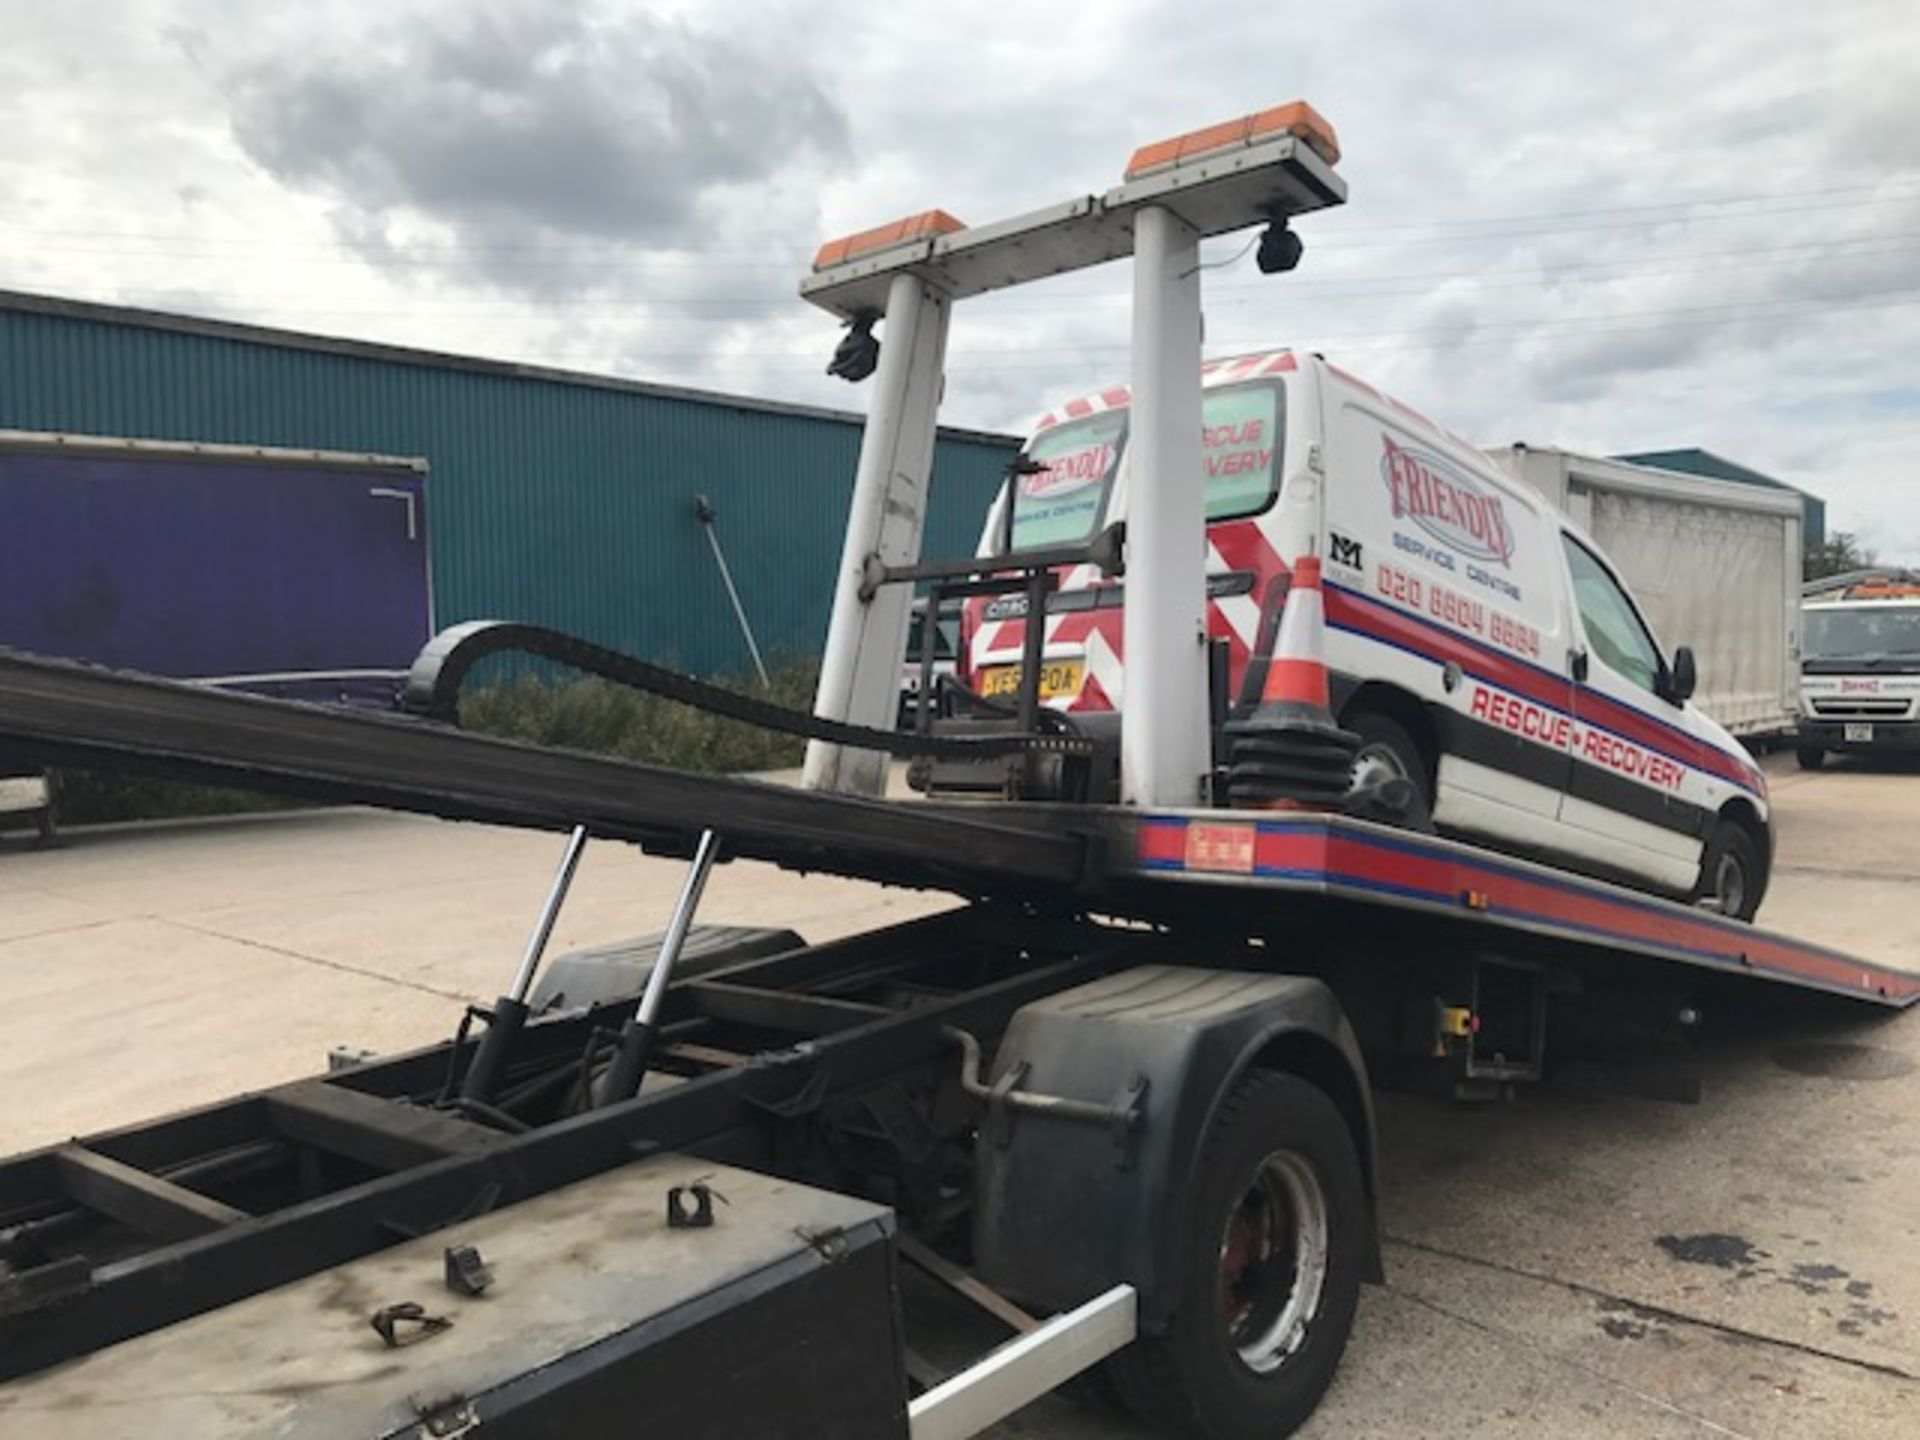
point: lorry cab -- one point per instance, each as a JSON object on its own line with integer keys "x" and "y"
{"x": 1480, "y": 643}
{"x": 1860, "y": 675}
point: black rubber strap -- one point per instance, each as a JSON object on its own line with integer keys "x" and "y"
{"x": 433, "y": 690}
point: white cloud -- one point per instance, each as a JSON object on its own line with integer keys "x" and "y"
{"x": 1532, "y": 248}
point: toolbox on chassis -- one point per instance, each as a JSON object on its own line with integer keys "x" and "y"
{"x": 1118, "y": 1101}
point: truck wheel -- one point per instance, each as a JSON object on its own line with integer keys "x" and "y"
{"x": 1811, "y": 757}
{"x": 1387, "y": 752}
{"x": 1730, "y": 879}
{"x": 1269, "y": 1271}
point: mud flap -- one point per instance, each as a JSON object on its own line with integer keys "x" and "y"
{"x": 1068, "y": 1203}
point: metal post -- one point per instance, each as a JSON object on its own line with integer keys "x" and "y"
{"x": 629, "y": 1066}
{"x": 1163, "y": 730}
{"x": 929, "y": 648}
{"x": 510, "y": 1010}
{"x": 704, "y": 509}
{"x": 1033, "y": 648}
{"x": 867, "y": 638}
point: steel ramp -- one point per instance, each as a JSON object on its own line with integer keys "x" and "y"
{"x": 1148, "y": 864}
{"x": 61, "y": 713}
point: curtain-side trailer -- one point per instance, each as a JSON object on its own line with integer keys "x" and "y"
{"x": 1717, "y": 566}
{"x": 215, "y": 563}
{"x": 218, "y": 563}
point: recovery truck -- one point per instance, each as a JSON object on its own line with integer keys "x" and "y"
{"x": 1860, "y": 681}
{"x": 1118, "y": 1099}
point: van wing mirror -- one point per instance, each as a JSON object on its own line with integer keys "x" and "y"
{"x": 1681, "y": 676}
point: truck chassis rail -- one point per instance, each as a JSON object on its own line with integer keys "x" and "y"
{"x": 126, "y": 1241}
{"x": 1208, "y": 857}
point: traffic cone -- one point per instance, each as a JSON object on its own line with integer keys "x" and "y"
{"x": 1288, "y": 754}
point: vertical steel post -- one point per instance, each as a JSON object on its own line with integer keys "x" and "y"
{"x": 1164, "y": 742}
{"x": 867, "y": 637}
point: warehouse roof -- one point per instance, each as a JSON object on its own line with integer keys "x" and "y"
{"x": 436, "y": 359}
{"x": 1692, "y": 460}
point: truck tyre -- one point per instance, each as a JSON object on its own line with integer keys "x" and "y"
{"x": 1730, "y": 881}
{"x": 1387, "y": 752}
{"x": 1269, "y": 1270}
{"x": 1811, "y": 757}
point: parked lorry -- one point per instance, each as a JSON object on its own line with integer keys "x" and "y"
{"x": 1117, "y": 1099}
{"x": 933, "y": 653}
{"x": 283, "y": 572}
{"x": 1715, "y": 565}
{"x": 1860, "y": 682}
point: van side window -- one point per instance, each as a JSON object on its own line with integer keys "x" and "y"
{"x": 1612, "y": 624}
{"x": 1060, "y": 504}
{"x": 1241, "y": 431}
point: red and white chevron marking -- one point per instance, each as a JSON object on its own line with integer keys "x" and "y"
{"x": 1097, "y": 636}
{"x": 1214, "y": 372}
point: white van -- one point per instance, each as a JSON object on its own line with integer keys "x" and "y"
{"x": 1479, "y": 643}
{"x": 1860, "y": 675}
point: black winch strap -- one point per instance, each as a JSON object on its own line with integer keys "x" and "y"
{"x": 433, "y": 690}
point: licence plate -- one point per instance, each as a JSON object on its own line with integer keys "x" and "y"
{"x": 1059, "y": 679}
{"x": 1859, "y": 734}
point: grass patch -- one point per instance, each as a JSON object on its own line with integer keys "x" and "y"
{"x": 607, "y": 719}
{"x": 95, "y": 797}
{"x": 578, "y": 714}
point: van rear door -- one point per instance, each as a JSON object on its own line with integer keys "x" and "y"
{"x": 1082, "y": 488}
{"x": 1062, "y": 501}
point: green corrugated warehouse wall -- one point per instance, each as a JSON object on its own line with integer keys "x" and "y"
{"x": 558, "y": 499}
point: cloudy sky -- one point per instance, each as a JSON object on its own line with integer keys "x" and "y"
{"x": 1610, "y": 227}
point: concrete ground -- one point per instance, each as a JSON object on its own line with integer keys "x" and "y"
{"x": 1559, "y": 1266}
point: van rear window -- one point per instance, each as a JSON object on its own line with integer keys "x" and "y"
{"x": 1242, "y": 428}
{"x": 1061, "y": 504}
{"x": 1240, "y": 447}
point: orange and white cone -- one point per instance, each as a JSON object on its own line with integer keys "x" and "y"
{"x": 1289, "y": 753}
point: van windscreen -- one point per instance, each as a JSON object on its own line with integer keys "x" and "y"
{"x": 1874, "y": 632}
{"x": 1061, "y": 504}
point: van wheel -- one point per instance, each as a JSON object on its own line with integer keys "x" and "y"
{"x": 1269, "y": 1271}
{"x": 1730, "y": 879}
{"x": 1811, "y": 757}
{"x": 1387, "y": 752}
